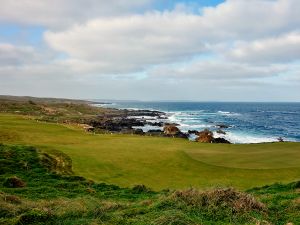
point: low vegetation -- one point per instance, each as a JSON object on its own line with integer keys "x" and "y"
{"x": 51, "y": 110}
{"x": 53, "y": 196}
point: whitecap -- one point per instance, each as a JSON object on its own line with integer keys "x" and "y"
{"x": 243, "y": 138}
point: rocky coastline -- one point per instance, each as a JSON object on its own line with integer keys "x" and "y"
{"x": 128, "y": 121}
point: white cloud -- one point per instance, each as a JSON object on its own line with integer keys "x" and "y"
{"x": 239, "y": 46}
{"x": 279, "y": 49}
{"x": 131, "y": 43}
{"x": 62, "y": 13}
{"x": 218, "y": 70}
{"x": 244, "y": 19}
{"x": 12, "y": 55}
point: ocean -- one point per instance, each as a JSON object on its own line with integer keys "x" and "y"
{"x": 247, "y": 122}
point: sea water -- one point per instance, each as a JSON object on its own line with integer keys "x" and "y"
{"x": 247, "y": 122}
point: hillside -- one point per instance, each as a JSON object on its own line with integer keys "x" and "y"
{"x": 36, "y": 190}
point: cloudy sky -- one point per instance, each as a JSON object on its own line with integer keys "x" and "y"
{"x": 200, "y": 50}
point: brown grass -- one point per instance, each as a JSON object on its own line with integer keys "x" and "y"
{"x": 240, "y": 202}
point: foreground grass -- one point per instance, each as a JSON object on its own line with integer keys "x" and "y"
{"x": 159, "y": 163}
{"x": 50, "y": 194}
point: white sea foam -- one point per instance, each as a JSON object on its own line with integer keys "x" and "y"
{"x": 103, "y": 105}
{"x": 243, "y": 138}
{"x": 184, "y": 119}
{"x": 142, "y": 117}
{"x": 225, "y": 113}
{"x": 173, "y": 118}
{"x": 147, "y": 128}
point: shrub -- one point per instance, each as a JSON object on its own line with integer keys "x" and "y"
{"x": 35, "y": 216}
{"x": 14, "y": 182}
{"x": 12, "y": 199}
{"x": 219, "y": 198}
{"x": 140, "y": 188}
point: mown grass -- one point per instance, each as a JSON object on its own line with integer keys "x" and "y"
{"x": 53, "y": 196}
{"x": 159, "y": 163}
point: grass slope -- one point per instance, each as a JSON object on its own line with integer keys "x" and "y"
{"x": 50, "y": 195}
{"x": 159, "y": 163}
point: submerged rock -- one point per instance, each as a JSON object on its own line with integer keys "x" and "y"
{"x": 222, "y": 126}
{"x": 221, "y": 132}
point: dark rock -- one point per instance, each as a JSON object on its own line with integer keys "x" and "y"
{"x": 171, "y": 124}
{"x": 221, "y": 140}
{"x": 162, "y": 117}
{"x": 222, "y": 126}
{"x": 123, "y": 120}
{"x": 116, "y": 124}
{"x": 138, "y": 131}
{"x": 193, "y": 132}
{"x": 182, "y": 135}
{"x": 155, "y": 124}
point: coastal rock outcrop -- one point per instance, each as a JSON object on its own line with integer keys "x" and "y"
{"x": 126, "y": 121}
{"x": 171, "y": 130}
{"x": 205, "y": 136}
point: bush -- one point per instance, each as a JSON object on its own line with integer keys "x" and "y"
{"x": 12, "y": 199}
{"x": 35, "y": 216}
{"x": 14, "y": 182}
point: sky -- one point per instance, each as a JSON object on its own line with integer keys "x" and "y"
{"x": 153, "y": 50}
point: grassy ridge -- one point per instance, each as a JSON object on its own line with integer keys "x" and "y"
{"x": 50, "y": 195}
{"x": 159, "y": 163}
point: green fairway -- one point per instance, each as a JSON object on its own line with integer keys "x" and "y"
{"x": 159, "y": 163}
